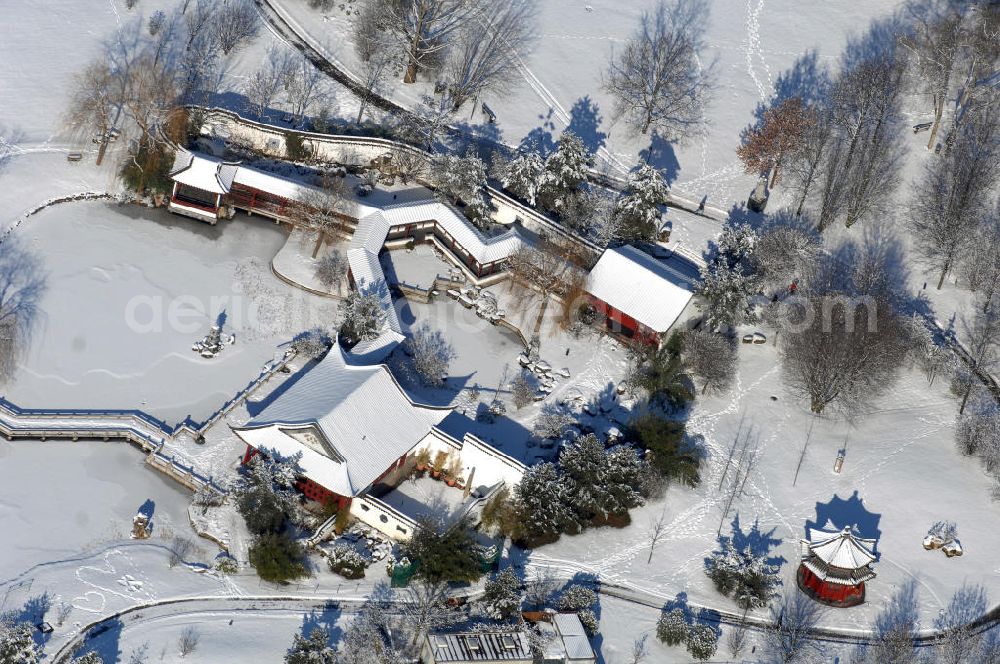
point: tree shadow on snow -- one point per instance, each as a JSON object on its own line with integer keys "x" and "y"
{"x": 540, "y": 138}
{"x": 105, "y": 640}
{"x": 325, "y": 618}
{"x": 661, "y": 156}
{"x": 585, "y": 121}
{"x": 760, "y": 543}
{"x": 806, "y": 79}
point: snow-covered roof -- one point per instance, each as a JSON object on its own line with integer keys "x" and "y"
{"x": 640, "y": 286}
{"x": 480, "y": 647}
{"x": 841, "y": 548}
{"x": 370, "y": 233}
{"x": 201, "y": 172}
{"x": 272, "y": 184}
{"x": 218, "y": 176}
{"x": 360, "y": 414}
{"x": 483, "y": 249}
{"x": 574, "y": 639}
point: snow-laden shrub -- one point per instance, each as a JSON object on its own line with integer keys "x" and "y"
{"x": 672, "y": 627}
{"x": 502, "y": 595}
{"x": 431, "y": 353}
{"x": 521, "y": 391}
{"x": 347, "y": 562}
{"x": 552, "y": 422}
{"x": 312, "y": 650}
{"x": 742, "y": 573}
{"x": 463, "y": 178}
{"x": 91, "y": 657}
{"x": 311, "y": 343}
{"x": 17, "y": 643}
{"x": 226, "y": 564}
{"x": 576, "y": 597}
{"x": 362, "y": 317}
{"x": 589, "y": 621}
{"x": 331, "y": 269}
{"x": 702, "y": 642}
{"x": 639, "y": 207}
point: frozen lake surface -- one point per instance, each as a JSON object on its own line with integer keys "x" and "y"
{"x": 118, "y": 320}
{"x": 61, "y": 499}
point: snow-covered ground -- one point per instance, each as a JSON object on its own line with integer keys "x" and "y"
{"x": 752, "y": 43}
{"x": 223, "y": 636}
{"x": 900, "y": 461}
{"x": 61, "y": 498}
{"x": 900, "y": 457}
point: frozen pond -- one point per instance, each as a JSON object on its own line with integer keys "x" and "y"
{"x": 119, "y": 319}
{"x": 58, "y": 499}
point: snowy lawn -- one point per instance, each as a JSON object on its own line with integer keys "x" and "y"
{"x": 41, "y": 513}
{"x": 223, "y": 636}
{"x": 119, "y": 319}
{"x": 900, "y": 460}
{"x": 753, "y": 43}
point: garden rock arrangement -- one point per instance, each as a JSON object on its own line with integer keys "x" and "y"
{"x": 944, "y": 535}
{"x": 213, "y": 343}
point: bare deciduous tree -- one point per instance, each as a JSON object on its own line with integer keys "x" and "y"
{"x": 485, "y": 53}
{"x": 982, "y": 346}
{"x": 658, "y": 80}
{"x": 711, "y": 357}
{"x": 960, "y": 643}
{"x": 544, "y": 269}
{"x": 935, "y": 40}
{"x": 180, "y": 549}
{"x": 332, "y": 269}
{"x": 423, "y": 28}
{"x": 187, "y": 643}
{"x": 199, "y": 20}
{"x": 22, "y": 284}
{"x": 657, "y": 531}
{"x": 783, "y": 254}
{"x": 788, "y": 639}
{"x": 427, "y": 609}
{"x": 321, "y": 210}
{"x": 952, "y": 194}
{"x": 862, "y": 163}
{"x": 95, "y": 104}
{"x": 262, "y": 87}
{"x": 736, "y": 639}
{"x": 843, "y": 350}
{"x": 894, "y": 630}
{"x": 374, "y": 47}
{"x": 238, "y": 22}
{"x": 304, "y": 86}
{"x": 639, "y": 650}
{"x": 805, "y": 162}
{"x": 981, "y": 268}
